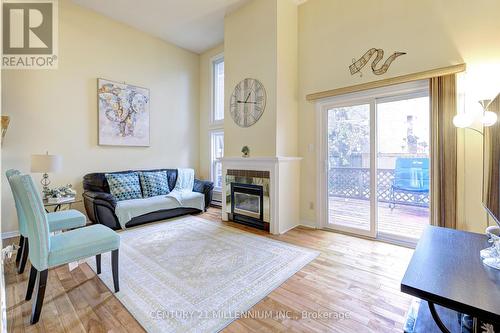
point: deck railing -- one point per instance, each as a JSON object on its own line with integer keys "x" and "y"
{"x": 355, "y": 183}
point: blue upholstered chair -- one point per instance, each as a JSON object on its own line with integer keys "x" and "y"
{"x": 61, "y": 220}
{"x": 48, "y": 251}
{"x": 411, "y": 175}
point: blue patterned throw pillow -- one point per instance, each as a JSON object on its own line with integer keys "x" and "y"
{"x": 124, "y": 186}
{"x": 154, "y": 183}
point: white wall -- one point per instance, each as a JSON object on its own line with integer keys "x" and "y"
{"x": 288, "y": 195}
{"x": 434, "y": 33}
{"x": 56, "y": 110}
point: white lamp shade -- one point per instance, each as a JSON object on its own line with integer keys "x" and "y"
{"x": 489, "y": 118}
{"x": 463, "y": 120}
{"x": 46, "y": 163}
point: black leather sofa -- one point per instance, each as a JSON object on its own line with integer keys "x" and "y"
{"x": 100, "y": 203}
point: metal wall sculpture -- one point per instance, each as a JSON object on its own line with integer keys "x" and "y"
{"x": 357, "y": 65}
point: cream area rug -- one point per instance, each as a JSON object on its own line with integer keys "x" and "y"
{"x": 192, "y": 275}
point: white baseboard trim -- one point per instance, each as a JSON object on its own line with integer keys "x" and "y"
{"x": 305, "y": 224}
{"x": 10, "y": 234}
{"x": 288, "y": 229}
{"x": 309, "y": 224}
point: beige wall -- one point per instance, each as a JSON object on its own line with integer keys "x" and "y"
{"x": 260, "y": 41}
{"x": 250, "y": 51}
{"x": 434, "y": 33}
{"x": 56, "y": 110}
{"x": 206, "y": 108}
{"x": 267, "y": 52}
{"x": 286, "y": 78}
{"x": 62, "y": 107}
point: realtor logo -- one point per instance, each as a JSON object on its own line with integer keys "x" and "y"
{"x": 29, "y": 34}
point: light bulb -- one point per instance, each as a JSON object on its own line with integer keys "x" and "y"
{"x": 489, "y": 118}
{"x": 462, "y": 120}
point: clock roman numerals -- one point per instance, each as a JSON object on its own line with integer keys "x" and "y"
{"x": 233, "y": 104}
{"x": 248, "y": 102}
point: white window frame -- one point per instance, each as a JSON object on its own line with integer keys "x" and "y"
{"x": 214, "y": 61}
{"x": 212, "y": 157}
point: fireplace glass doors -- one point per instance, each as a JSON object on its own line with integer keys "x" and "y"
{"x": 247, "y": 195}
{"x": 247, "y": 202}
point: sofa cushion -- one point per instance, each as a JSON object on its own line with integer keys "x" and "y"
{"x": 128, "y": 209}
{"x": 188, "y": 199}
{"x": 97, "y": 182}
{"x": 124, "y": 186}
{"x": 154, "y": 183}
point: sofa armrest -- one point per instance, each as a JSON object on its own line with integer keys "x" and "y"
{"x": 100, "y": 208}
{"x": 108, "y": 197}
{"x": 206, "y": 187}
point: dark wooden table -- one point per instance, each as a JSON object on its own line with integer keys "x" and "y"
{"x": 446, "y": 269}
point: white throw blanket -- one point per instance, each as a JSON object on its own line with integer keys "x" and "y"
{"x": 185, "y": 180}
{"x": 183, "y": 190}
{"x": 128, "y": 209}
{"x": 181, "y": 196}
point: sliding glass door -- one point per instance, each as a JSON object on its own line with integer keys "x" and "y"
{"x": 403, "y": 162}
{"x": 349, "y": 169}
{"x": 376, "y": 158}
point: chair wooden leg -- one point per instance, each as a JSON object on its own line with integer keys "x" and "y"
{"x": 20, "y": 250}
{"x": 31, "y": 283}
{"x": 24, "y": 256}
{"x": 36, "y": 308}
{"x": 114, "y": 265}
{"x": 98, "y": 263}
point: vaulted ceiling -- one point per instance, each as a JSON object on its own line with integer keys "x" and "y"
{"x": 196, "y": 25}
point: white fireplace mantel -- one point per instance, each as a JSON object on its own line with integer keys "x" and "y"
{"x": 280, "y": 220}
{"x": 275, "y": 159}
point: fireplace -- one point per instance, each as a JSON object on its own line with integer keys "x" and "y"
{"x": 247, "y": 197}
{"x": 247, "y": 200}
{"x": 278, "y": 216}
{"x": 247, "y": 205}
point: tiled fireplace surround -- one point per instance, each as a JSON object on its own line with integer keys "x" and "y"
{"x": 276, "y": 175}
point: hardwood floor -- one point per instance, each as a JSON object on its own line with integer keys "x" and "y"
{"x": 355, "y": 278}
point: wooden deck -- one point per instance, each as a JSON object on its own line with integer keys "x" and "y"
{"x": 408, "y": 221}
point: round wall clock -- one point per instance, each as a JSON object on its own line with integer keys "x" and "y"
{"x": 248, "y": 102}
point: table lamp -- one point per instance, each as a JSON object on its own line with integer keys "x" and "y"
{"x": 45, "y": 163}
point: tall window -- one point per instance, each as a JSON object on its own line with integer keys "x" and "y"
{"x": 218, "y": 89}
{"x": 217, "y": 141}
{"x": 216, "y": 123}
